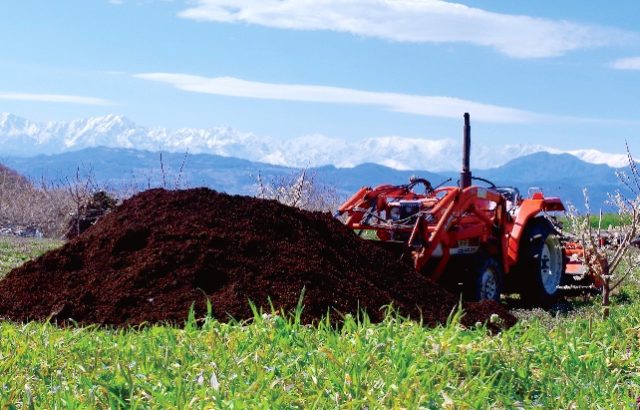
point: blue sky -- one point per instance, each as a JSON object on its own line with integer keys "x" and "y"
{"x": 563, "y": 74}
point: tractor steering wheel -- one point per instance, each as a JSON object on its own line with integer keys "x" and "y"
{"x": 486, "y": 181}
{"x": 415, "y": 181}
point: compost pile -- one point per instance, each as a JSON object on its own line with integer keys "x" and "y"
{"x": 161, "y": 252}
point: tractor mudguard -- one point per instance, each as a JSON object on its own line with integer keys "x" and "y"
{"x": 529, "y": 209}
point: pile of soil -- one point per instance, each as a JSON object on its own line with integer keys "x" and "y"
{"x": 162, "y": 251}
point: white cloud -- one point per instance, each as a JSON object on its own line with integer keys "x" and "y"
{"x": 415, "y": 21}
{"x": 432, "y": 106}
{"x": 54, "y": 98}
{"x": 631, "y": 63}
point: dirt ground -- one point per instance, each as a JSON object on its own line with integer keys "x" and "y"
{"x": 161, "y": 252}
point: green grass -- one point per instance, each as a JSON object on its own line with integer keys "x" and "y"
{"x": 568, "y": 361}
{"x": 16, "y": 251}
{"x": 278, "y": 363}
{"x": 609, "y": 220}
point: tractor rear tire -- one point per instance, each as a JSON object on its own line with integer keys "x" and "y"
{"x": 541, "y": 263}
{"x": 486, "y": 282}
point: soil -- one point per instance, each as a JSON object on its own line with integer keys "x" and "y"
{"x": 161, "y": 252}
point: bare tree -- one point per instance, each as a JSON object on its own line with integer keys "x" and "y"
{"x": 608, "y": 255}
{"x": 300, "y": 190}
{"x": 33, "y": 209}
{"x": 80, "y": 187}
{"x": 163, "y": 172}
{"x": 58, "y": 208}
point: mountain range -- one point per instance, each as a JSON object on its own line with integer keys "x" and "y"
{"x": 125, "y": 169}
{"x": 23, "y": 137}
{"x": 122, "y": 155}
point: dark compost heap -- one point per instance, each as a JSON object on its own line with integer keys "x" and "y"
{"x": 162, "y": 251}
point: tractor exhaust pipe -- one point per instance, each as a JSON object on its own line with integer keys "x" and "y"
{"x": 465, "y": 175}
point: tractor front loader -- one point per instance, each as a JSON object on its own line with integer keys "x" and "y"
{"x": 482, "y": 240}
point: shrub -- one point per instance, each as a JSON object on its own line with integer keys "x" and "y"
{"x": 300, "y": 190}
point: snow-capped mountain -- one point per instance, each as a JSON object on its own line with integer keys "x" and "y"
{"x": 22, "y": 137}
{"x": 593, "y": 156}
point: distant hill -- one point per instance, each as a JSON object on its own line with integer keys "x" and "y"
{"x": 557, "y": 174}
{"x": 560, "y": 175}
{"x": 11, "y": 180}
{"x": 544, "y": 167}
{"x": 128, "y": 168}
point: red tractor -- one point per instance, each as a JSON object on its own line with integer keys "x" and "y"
{"x": 481, "y": 240}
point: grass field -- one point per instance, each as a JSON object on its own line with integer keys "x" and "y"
{"x": 609, "y": 221}
{"x": 572, "y": 361}
{"x": 16, "y": 251}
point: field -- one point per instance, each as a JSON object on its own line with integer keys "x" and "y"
{"x": 15, "y": 251}
{"x": 609, "y": 221}
{"x": 571, "y": 360}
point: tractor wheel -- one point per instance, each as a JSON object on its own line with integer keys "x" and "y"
{"x": 541, "y": 262}
{"x": 486, "y": 283}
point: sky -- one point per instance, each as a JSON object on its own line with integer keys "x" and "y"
{"x": 564, "y": 74}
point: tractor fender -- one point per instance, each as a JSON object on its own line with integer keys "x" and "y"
{"x": 530, "y": 209}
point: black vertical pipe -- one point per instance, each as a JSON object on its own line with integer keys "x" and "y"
{"x": 465, "y": 175}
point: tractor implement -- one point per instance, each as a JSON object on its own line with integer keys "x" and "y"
{"x": 473, "y": 237}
